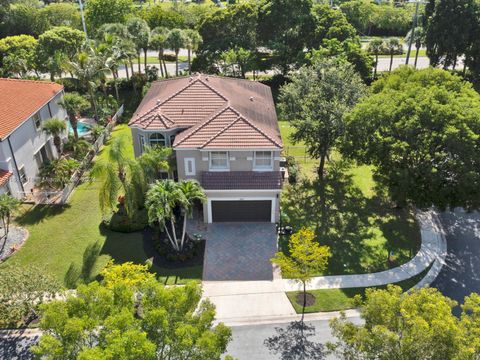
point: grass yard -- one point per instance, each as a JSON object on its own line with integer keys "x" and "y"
{"x": 68, "y": 239}
{"x": 343, "y": 299}
{"x": 365, "y": 232}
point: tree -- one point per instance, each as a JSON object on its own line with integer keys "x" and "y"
{"x": 62, "y": 39}
{"x": 361, "y": 14}
{"x": 415, "y": 325}
{"x": 154, "y": 160}
{"x": 110, "y": 320}
{"x": 56, "y": 174}
{"x": 22, "y": 18}
{"x": 140, "y": 34}
{"x": 55, "y": 127}
{"x": 393, "y": 47}
{"x": 74, "y": 104}
{"x": 62, "y": 14}
{"x": 22, "y": 290}
{"x": 238, "y": 57}
{"x": 449, "y": 30}
{"x": 305, "y": 259}
{"x": 99, "y": 12}
{"x": 418, "y": 35}
{"x": 420, "y": 129}
{"x": 176, "y": 40}
{"x": 192, "y": 42}
{"x": 120, "y": 176}
{"x": 315, "y": 102}
{"x": 164, "y": 197}
{"x": 23, "y": 49}
{"x": 159, "y": 43}
{"x": 284, "y": 27}
{"x": 377, "y": 47}
{"x": 159, "y": 15}
{"x": 8, "y": 206}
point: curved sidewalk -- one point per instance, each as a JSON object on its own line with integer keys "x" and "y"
{"x": 433, "y": 250}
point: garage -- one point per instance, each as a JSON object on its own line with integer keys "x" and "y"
{"x": 241, "y": 210}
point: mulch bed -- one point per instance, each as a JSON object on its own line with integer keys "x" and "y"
{"x": 14, "y": 241}
{"x": 310, "y": 299}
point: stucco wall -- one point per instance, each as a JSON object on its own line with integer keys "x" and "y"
{"x": 25, "y": 142}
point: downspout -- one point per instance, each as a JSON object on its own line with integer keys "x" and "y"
{"x": 15, "y": 163}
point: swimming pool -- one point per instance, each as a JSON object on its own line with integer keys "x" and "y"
{"x": 82, "y": 128}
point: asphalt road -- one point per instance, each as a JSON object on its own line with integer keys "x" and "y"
{"x": 460, "y": 276}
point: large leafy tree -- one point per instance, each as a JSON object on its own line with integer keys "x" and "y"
{"x": 62, "y": 14}
{"x": 415, "y": 325}
{"x": 74, "y": 104}
{"x": 62, "y": 38}
{"x": 109, "y": 320}
{"x": 284, "y": 27}
{"x": 450, "y": 30}
{"x": 421, "y": 130}
{"x": 164, "y": 197}
{"x": 99, "y": 12}
{"x": 305, "y": 259}
{"x": 315, "y": 102}
{"x": 22, "y": 48}
{"x": 360, "y": 13}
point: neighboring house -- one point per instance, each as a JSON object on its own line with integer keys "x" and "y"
{"x": 24, "y": 146}
{"x": 225, "y": 135}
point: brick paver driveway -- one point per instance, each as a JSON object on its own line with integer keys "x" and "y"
{"x": 239, "y": 251}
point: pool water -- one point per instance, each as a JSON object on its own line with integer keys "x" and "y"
{"x": 82, "y": 128}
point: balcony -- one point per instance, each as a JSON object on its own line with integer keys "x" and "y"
{"x": 241, "y": 180}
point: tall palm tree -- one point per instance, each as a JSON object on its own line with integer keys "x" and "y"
{"x": 393, "y": 47}
{"x": 192, "y": 41}
{"x": 159, "y": 42}
{"x": 55, "y": 127}
{"x": 164, "y": 197}
{"x": 155, "y": 159}
{"x": 376, "y": 47}
{"x": 120, "y": 175}
{"x": 74, "y": 103}
{"x": 175, "y": 41}
{"x": 87, "y": 68}
{"x": 140, "y": 34}
{"x": 418, "y": 38}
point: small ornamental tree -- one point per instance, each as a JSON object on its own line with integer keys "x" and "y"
{"x": 123, "y": 319}
{"x": 55, "y": 127}
{"x": 8, "y": 206}
{"x": 74, "y": 104}
{"x": 306, "y": 258}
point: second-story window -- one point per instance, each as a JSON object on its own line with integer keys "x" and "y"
{"x": 263, "y": 160}
{"x": 37, "y": 120}
{"x": 219, "y": 160}
{"x": 157, "y": 140}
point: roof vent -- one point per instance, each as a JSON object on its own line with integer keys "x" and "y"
{"x": 183, "y": 111}
{"x": 158, "y": 101}
{"x": 190, "y": 79}
{"x": 251, "y": 98}
{"x": 206, "y": 78}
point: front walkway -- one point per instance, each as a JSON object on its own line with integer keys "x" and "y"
{"x": 253, "y": 302}
{"x": 239, "y": 251}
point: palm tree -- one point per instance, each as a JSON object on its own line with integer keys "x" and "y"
{"x": 175, "y": 41}
{"x": 155, "y": 159}
{"x": 140, "y": 34}
{"x": 393, "y": 47}
{"x": 418, "y": 38}
{"x": 159, "y": 42}
{"x": 55, "y": 127}
{"x": 376, "y": 47}
{"x": 74, "y": 104}
{"x": 192, "y": 41}
{"x": 162, "y": 200}
{"x": 120, "y": 175}
{"x": 87, "y": 68}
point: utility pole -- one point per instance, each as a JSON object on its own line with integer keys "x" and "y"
{"x": 83, "y": 19}
{"x": 412, "y": 32}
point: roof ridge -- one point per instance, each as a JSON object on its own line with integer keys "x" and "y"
{"x": 204, "y": 82}
{"x": 194, "y": 129}
{"x": 220, "y": 132}
{"x": 31, "y": 81}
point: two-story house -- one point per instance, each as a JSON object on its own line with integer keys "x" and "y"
{"x": 24, "y": 146}
{"x": 225, "y": 134}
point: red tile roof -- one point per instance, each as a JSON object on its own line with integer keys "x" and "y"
{"x": 4, "y": 176}
{"x": 218, "y": 112}
{"x": 20, "y": 99}
{"x": 241, "y": 180}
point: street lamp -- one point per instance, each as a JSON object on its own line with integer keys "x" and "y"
{"x": 83, "y": 19}
{"x": 414, "y": 26}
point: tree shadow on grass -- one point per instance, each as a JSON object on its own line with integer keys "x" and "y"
{"x": 361, "y": 231}
{"x": 75, "y": 274}
{"x": 39, "y": 213}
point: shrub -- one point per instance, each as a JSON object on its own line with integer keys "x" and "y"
{"x": 121, "y": 222}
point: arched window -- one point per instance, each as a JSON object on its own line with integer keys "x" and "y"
{"x": 157, "y": 139}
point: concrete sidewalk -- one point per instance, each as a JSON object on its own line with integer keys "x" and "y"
{"x": 255, "y": 302}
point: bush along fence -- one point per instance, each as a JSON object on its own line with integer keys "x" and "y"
{"x": 84, "y": 165}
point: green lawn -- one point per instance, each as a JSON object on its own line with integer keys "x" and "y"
{"x": 343, "y": 299}
{"x": 69, "y": 237}
{"x": 365, "y": 232}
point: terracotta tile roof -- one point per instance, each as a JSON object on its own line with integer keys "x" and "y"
{"x": 20, "y": 99}
{"x": 217, "y": 111}
{"x": 241, "y": 180}
{"x": 4, "y": 176}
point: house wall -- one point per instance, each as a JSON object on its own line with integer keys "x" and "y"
{"x": 136, "y": 133}
{"x": 239, "y": 161}
{"x": 25, "y": 142}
